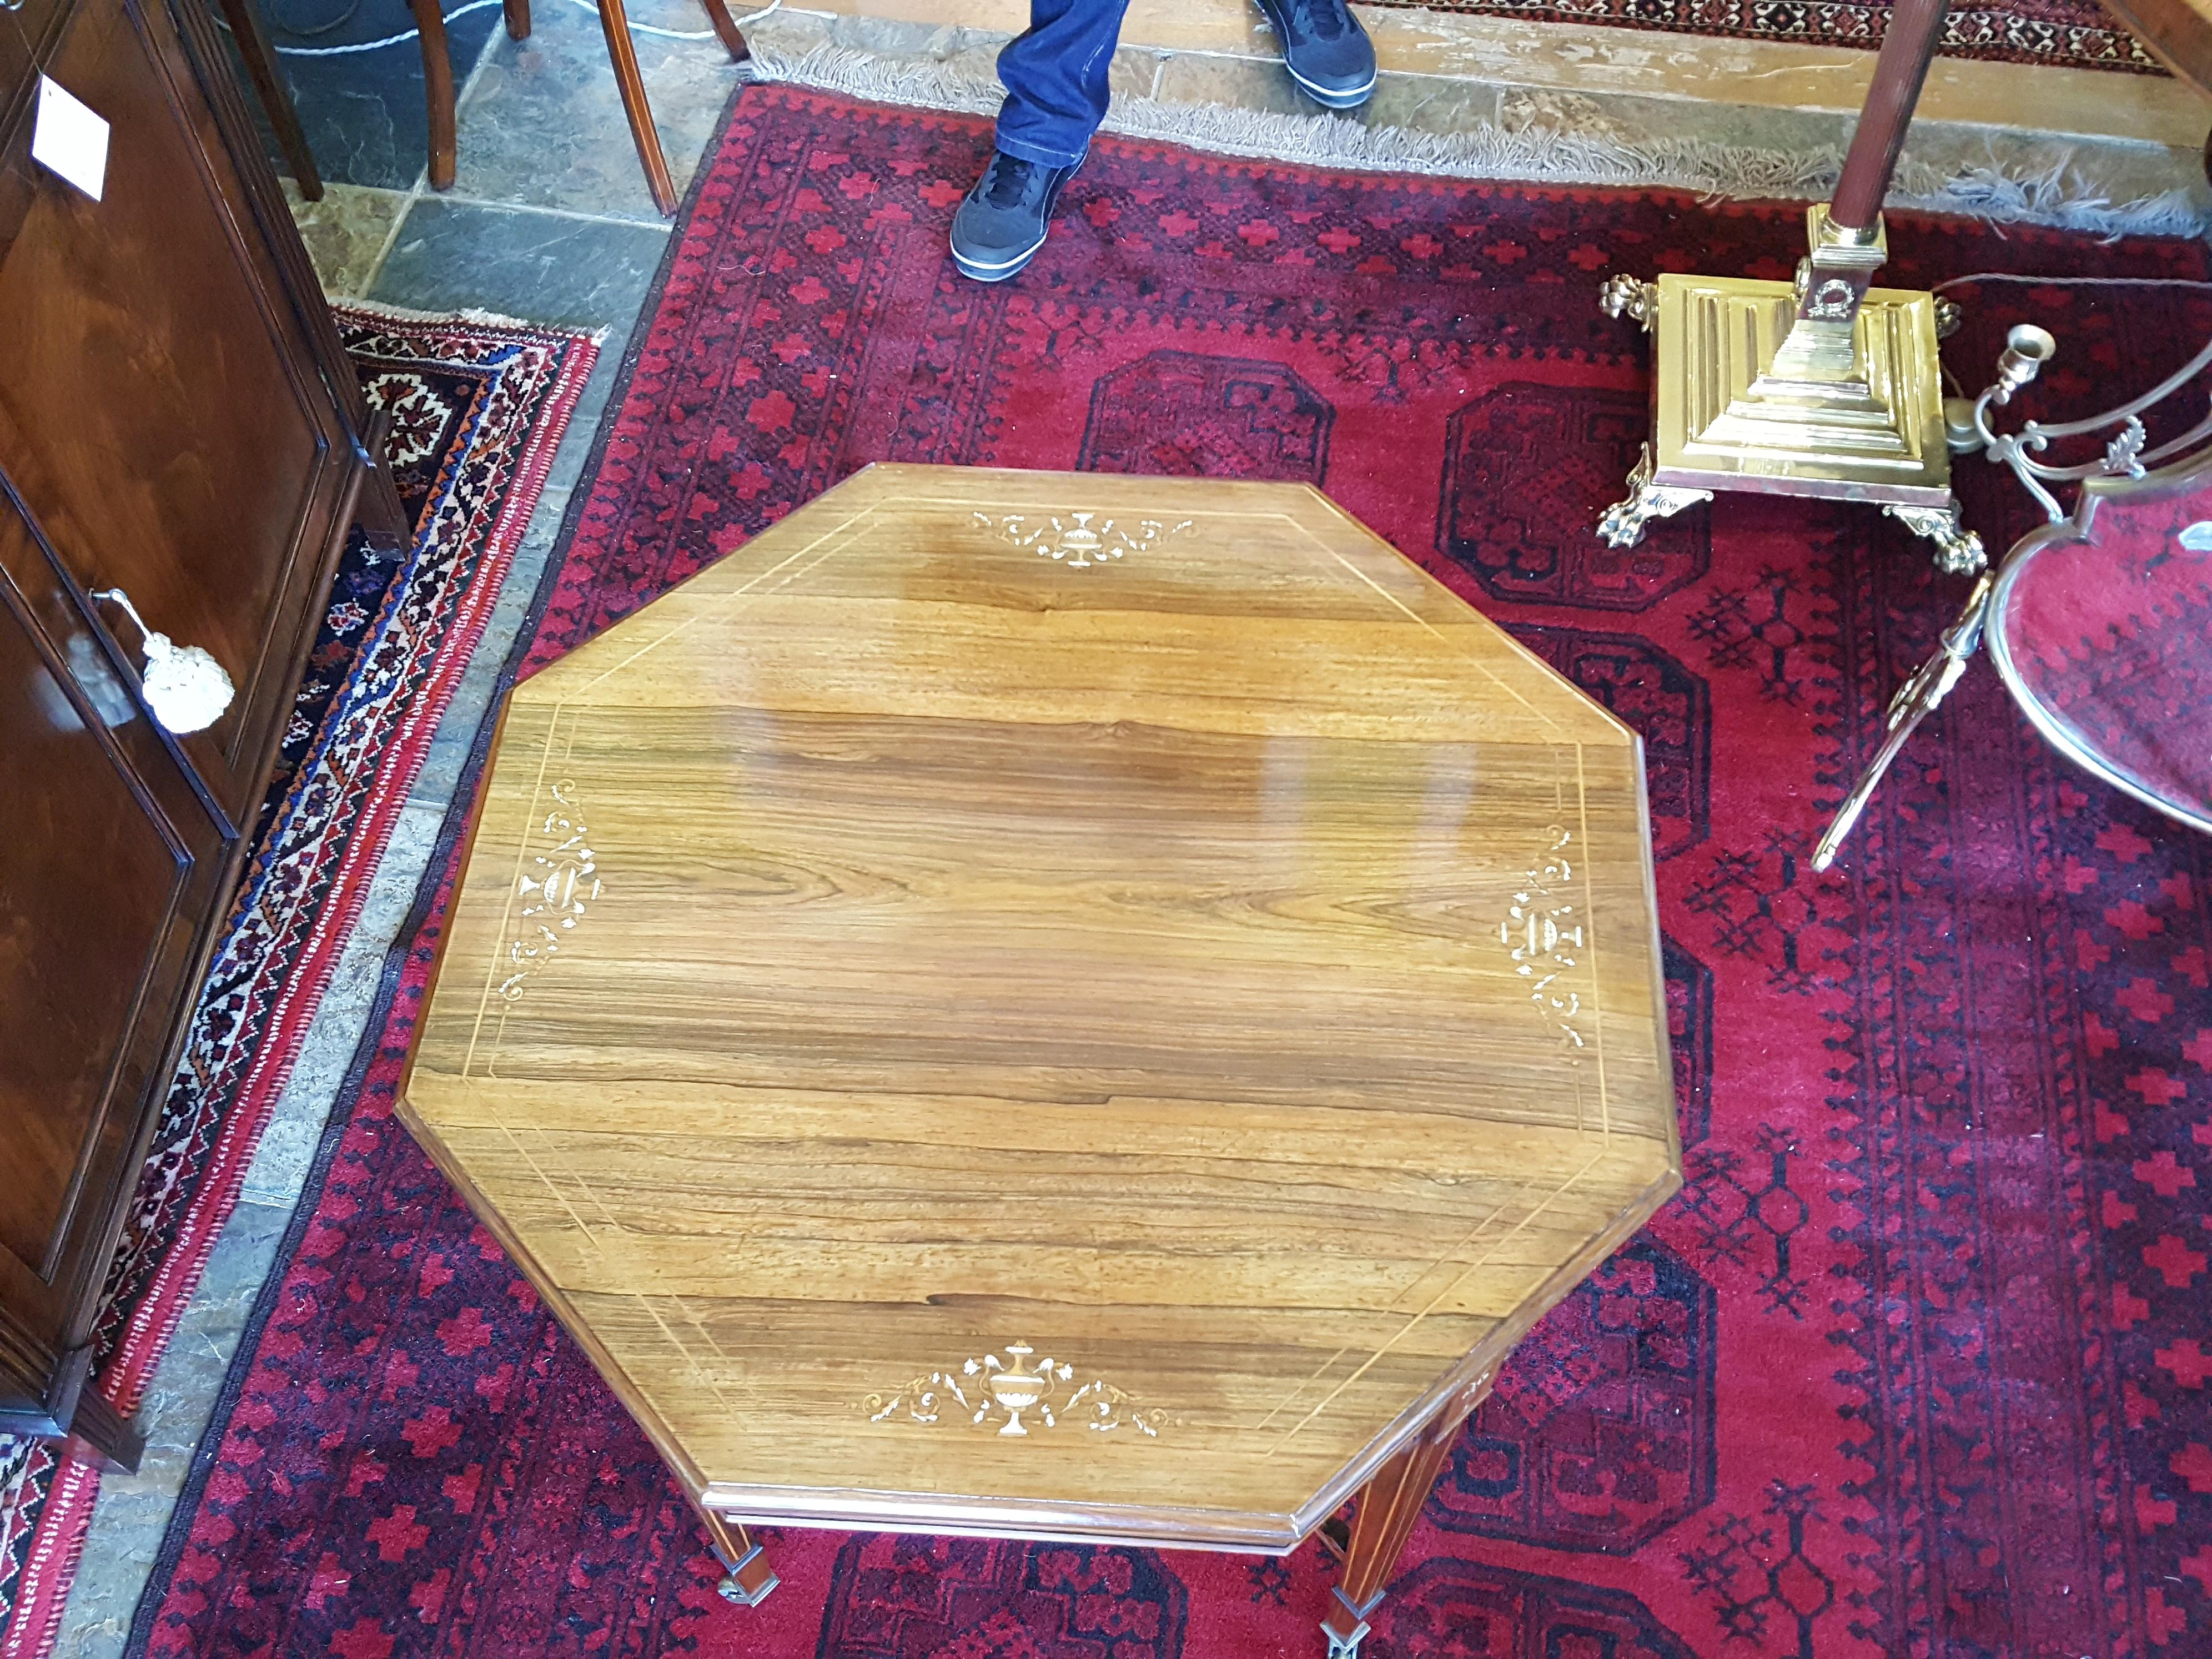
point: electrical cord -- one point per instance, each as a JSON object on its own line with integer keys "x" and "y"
{"x": 277, "y": 23}
{"x": 2071, "y": 282}
{"x": 376, "y": 45}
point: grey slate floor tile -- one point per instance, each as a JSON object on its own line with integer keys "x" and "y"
{"x": 543, "y": 124}
{"x": 550, "y": 267}
{"x": 363, "y": 112}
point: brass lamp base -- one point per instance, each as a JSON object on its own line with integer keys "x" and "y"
{"x": 1754, "y": 389}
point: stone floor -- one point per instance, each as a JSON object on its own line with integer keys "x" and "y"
{"x": 550, "y": 220}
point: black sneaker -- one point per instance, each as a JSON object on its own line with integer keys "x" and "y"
{"x": 1004, "y": 220}
{"x": 1325, "y": 49}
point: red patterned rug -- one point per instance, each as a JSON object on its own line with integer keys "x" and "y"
{"x": 477, "y": 412}
{"x": 2073, "y": 33}
{"x": 1916, "y": 1365}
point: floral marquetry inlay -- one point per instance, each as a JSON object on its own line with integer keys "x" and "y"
{"x": 992, "y": 1390}
{"x": 560, "y": 881}
{"x": 1074, "y": 541}
{"x": 1543, "y": 935}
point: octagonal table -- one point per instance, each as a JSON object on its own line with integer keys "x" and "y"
{"x": 1056, "y": 1006}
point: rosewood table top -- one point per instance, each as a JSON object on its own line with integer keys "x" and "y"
{"x": 1061, "y": 1006}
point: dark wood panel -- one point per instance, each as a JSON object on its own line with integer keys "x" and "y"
{"x": 15, "y": 59}
{"x": 26, "y": 33}
{"x": 89, "y": 865}
{"x": 183, "y": 445}
{"x": 103, "y": 676}
{"x": 100, "y": 894}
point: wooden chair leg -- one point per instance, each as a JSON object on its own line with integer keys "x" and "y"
{"x": 245, "y": 19}
{"x": 437, "y": 91}
{"x": 518, "y": 19}
{"x": 725, "y": 29}
{"x": 624, "y": 56}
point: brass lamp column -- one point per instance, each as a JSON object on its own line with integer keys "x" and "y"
{"x": 1823, "y": 387}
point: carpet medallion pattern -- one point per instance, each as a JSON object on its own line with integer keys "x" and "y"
{"x": 1506, "y": 458}
{"x": 1666, "y": 703}
{"x": 1187, "y": 414}
{"x": 1916, "y": 1365}
{"x": 477, "y": 410}
{"x": 1600, "y": 1435}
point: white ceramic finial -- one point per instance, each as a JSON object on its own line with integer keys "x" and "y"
{"x": 187, "y": 688}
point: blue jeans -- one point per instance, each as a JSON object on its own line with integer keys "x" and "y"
{"x": 1055, "y": 80}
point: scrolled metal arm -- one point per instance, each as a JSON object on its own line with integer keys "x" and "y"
{"x": 2027, "y": 349}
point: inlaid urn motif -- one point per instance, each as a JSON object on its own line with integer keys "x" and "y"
{"x": 990, "y": 1387}
{"x": 1076, "y": 542}
{"x": 1017, "y": 1390}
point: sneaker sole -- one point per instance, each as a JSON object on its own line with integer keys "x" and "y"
{"x": 1332, "y": 97}
{"x": 980, "y": 271}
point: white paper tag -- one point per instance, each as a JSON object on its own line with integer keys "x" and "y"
{"x": 70, "y": 139}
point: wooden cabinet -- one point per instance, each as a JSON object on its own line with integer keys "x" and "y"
{"x": 176, "y": 420}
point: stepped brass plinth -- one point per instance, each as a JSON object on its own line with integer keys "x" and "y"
{"x": 1824, "y": 386}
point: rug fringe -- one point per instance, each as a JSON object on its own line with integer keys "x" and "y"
{"x": 471, "y": 315}
{"x": 2055, "y": 195}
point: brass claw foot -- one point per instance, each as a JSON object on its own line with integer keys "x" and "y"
{"x": 1959, "y": 551}
{"x": 1629, "y": 296}
{"x": 1622, "y": 524}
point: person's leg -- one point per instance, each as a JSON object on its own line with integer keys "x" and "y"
{"x": 1055, "y": 80}
{"x": 1055, "y": 77}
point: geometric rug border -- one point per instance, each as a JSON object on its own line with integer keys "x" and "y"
{"x": 451, "y": 830}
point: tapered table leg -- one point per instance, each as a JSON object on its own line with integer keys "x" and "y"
{"x": 103, "y": 1435}
{"x": 1389, "y": 1503}
{"x": 378, "y": 509}
{"x": 747, "y": 1577}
